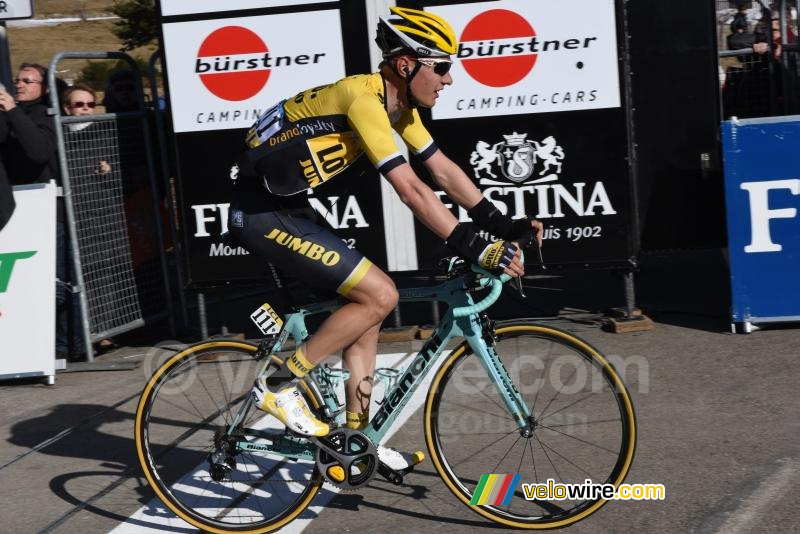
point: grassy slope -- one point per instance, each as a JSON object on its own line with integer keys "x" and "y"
{"x": 40, "y": 44}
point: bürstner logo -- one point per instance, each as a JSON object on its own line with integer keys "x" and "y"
{"x": 498, "y": 48}
{"x": 234, "y": 63}
{"x": 518, "y": 159}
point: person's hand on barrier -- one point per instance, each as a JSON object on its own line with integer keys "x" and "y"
{"x": 103, "y": 168}
{"x": 760, "y": 48}
{"x": 7, "y": 102}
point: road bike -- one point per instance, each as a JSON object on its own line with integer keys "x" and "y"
{"x": 513, "y": 397}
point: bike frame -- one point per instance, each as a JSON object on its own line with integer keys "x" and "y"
{"x": 473, "y": 327}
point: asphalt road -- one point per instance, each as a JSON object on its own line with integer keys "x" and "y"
{"x": 717, "y": 418}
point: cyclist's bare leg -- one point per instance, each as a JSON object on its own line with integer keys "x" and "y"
{"x": 359, "y": 358}
{"x": 357, "y": 323}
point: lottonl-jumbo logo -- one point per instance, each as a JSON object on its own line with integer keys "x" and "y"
{"x": 233, "y": 63}
{"x": 498, "y": 48}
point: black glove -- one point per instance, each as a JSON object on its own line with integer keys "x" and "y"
{"x": 466, "y": 241}
{"x": 487, "y": 216}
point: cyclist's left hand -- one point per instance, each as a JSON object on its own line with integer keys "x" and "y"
{"x": 515, "y": 268}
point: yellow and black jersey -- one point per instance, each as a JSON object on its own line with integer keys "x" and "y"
{"x": 308, "y": 139}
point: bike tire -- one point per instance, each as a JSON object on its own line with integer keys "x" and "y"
{"x": 181, "y": 412}
{"x": 597, "y": 442}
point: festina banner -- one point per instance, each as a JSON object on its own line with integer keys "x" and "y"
{"x": 534, "y": 117}
{"x": 351, "y": 207}
{"x": 531, "y": 56}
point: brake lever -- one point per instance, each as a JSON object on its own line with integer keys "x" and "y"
{"x": 518, "y": 280}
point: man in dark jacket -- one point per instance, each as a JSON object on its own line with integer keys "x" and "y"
{"x": 27, "y": 134}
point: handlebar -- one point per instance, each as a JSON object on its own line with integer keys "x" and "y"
{"x": 496, "y": 282}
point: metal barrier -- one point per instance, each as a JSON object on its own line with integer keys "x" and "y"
{"x": 160, "y": 114}
{"x": 114, "y": 215}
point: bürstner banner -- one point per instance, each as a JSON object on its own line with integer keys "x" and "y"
{"x": 531, "y": 56}
{"x": 762, "y": 193}
{"x": 224, "y": 72}
{"x": 224, "y": 69}
{"x": 534, "y": 116}
{"x": 190, "y": 7}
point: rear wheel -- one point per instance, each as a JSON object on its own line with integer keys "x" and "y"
{"x": 582, "y": 426}
{"x": 190, "y": 458}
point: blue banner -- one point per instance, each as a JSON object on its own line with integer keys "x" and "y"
{"x": 762, "y": 190}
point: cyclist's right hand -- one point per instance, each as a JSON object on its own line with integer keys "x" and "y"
{"x": 498, "y": 257}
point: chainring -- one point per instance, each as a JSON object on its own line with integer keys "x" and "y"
{"x": 342, "y": 449}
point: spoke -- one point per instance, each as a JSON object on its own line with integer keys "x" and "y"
{"x": 558, "y": 392}
{"x": 466, "y": 407}
{"x": 482, "y": 392}
{"x": 225, "y": 390}
{"x": 570, "y": 405}
{"x": 533, "y": 461}
{"x": 535, "y": 397}
{"x": 582, "y": 440}
{"x": 573, "y": 464}
{"x": 548, "y": 458}
{"x": 506, "y": 454}
{"x": 481, "y": 433}
{"x": 471, "y": 456}
{"x": 519, "y": 467}
{"x": 588, "y": 422}
{"x": 250, "y": 491}
{"x": 213, "y": 400}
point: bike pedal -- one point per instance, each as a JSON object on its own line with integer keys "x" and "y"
{"x": 390, "y": 474}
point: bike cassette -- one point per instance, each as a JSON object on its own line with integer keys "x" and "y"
{"x": 346, "y": 458}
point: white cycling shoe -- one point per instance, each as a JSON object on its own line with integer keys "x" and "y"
{"x": 289, "y": 407}
{"x": 397, "y": 460}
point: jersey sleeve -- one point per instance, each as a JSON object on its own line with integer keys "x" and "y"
{"x": 415, "y": 135}
{"x": 369, "y": 121}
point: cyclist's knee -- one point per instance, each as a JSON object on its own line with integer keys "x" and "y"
{"x": 386, "y": 299}
{"x": 379, "y": 295}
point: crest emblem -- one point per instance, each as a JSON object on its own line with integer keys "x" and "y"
{"x": 518, "y": 159}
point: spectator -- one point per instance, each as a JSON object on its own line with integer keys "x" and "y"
{"x": 121, "y": 92}
{"x": 78, "y": 101}
{"x": 756, "y": 88}
{"x": 27, "y": 133}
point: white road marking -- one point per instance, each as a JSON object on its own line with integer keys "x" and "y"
{"x": 155, "y": 517}
{"x": 771, "y": 487}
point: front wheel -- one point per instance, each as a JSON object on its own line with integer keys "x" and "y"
{"x": 581, "y": 426}
{"x": 191, "y": 419}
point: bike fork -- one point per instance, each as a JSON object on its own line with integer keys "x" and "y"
{"x": 499, "y": 376}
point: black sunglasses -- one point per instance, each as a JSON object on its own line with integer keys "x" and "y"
{"x": 79, "y": 104}
{"x": 439, "y": 66}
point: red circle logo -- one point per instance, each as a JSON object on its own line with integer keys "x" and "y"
{"x": 493, "y": 63}
{"x": 229, "y": 63}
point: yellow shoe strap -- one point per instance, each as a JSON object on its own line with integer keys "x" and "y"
{"x": 357, "y": 421}
{"x": 298, "y": 364}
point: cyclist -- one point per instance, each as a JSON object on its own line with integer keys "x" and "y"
{"x": 306, "y": 140}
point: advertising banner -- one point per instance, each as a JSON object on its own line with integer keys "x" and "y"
{"x": 27, "y": 284}
{"x": 223, "y": 70}
{"x": 16, "y": 9}
{"x": 223, "y": 73}
{"x": 535, "y": 118}
{"x": 519, "y": 57}
{"x": 762, "y": 193}
{"x": 190, "y": 7}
